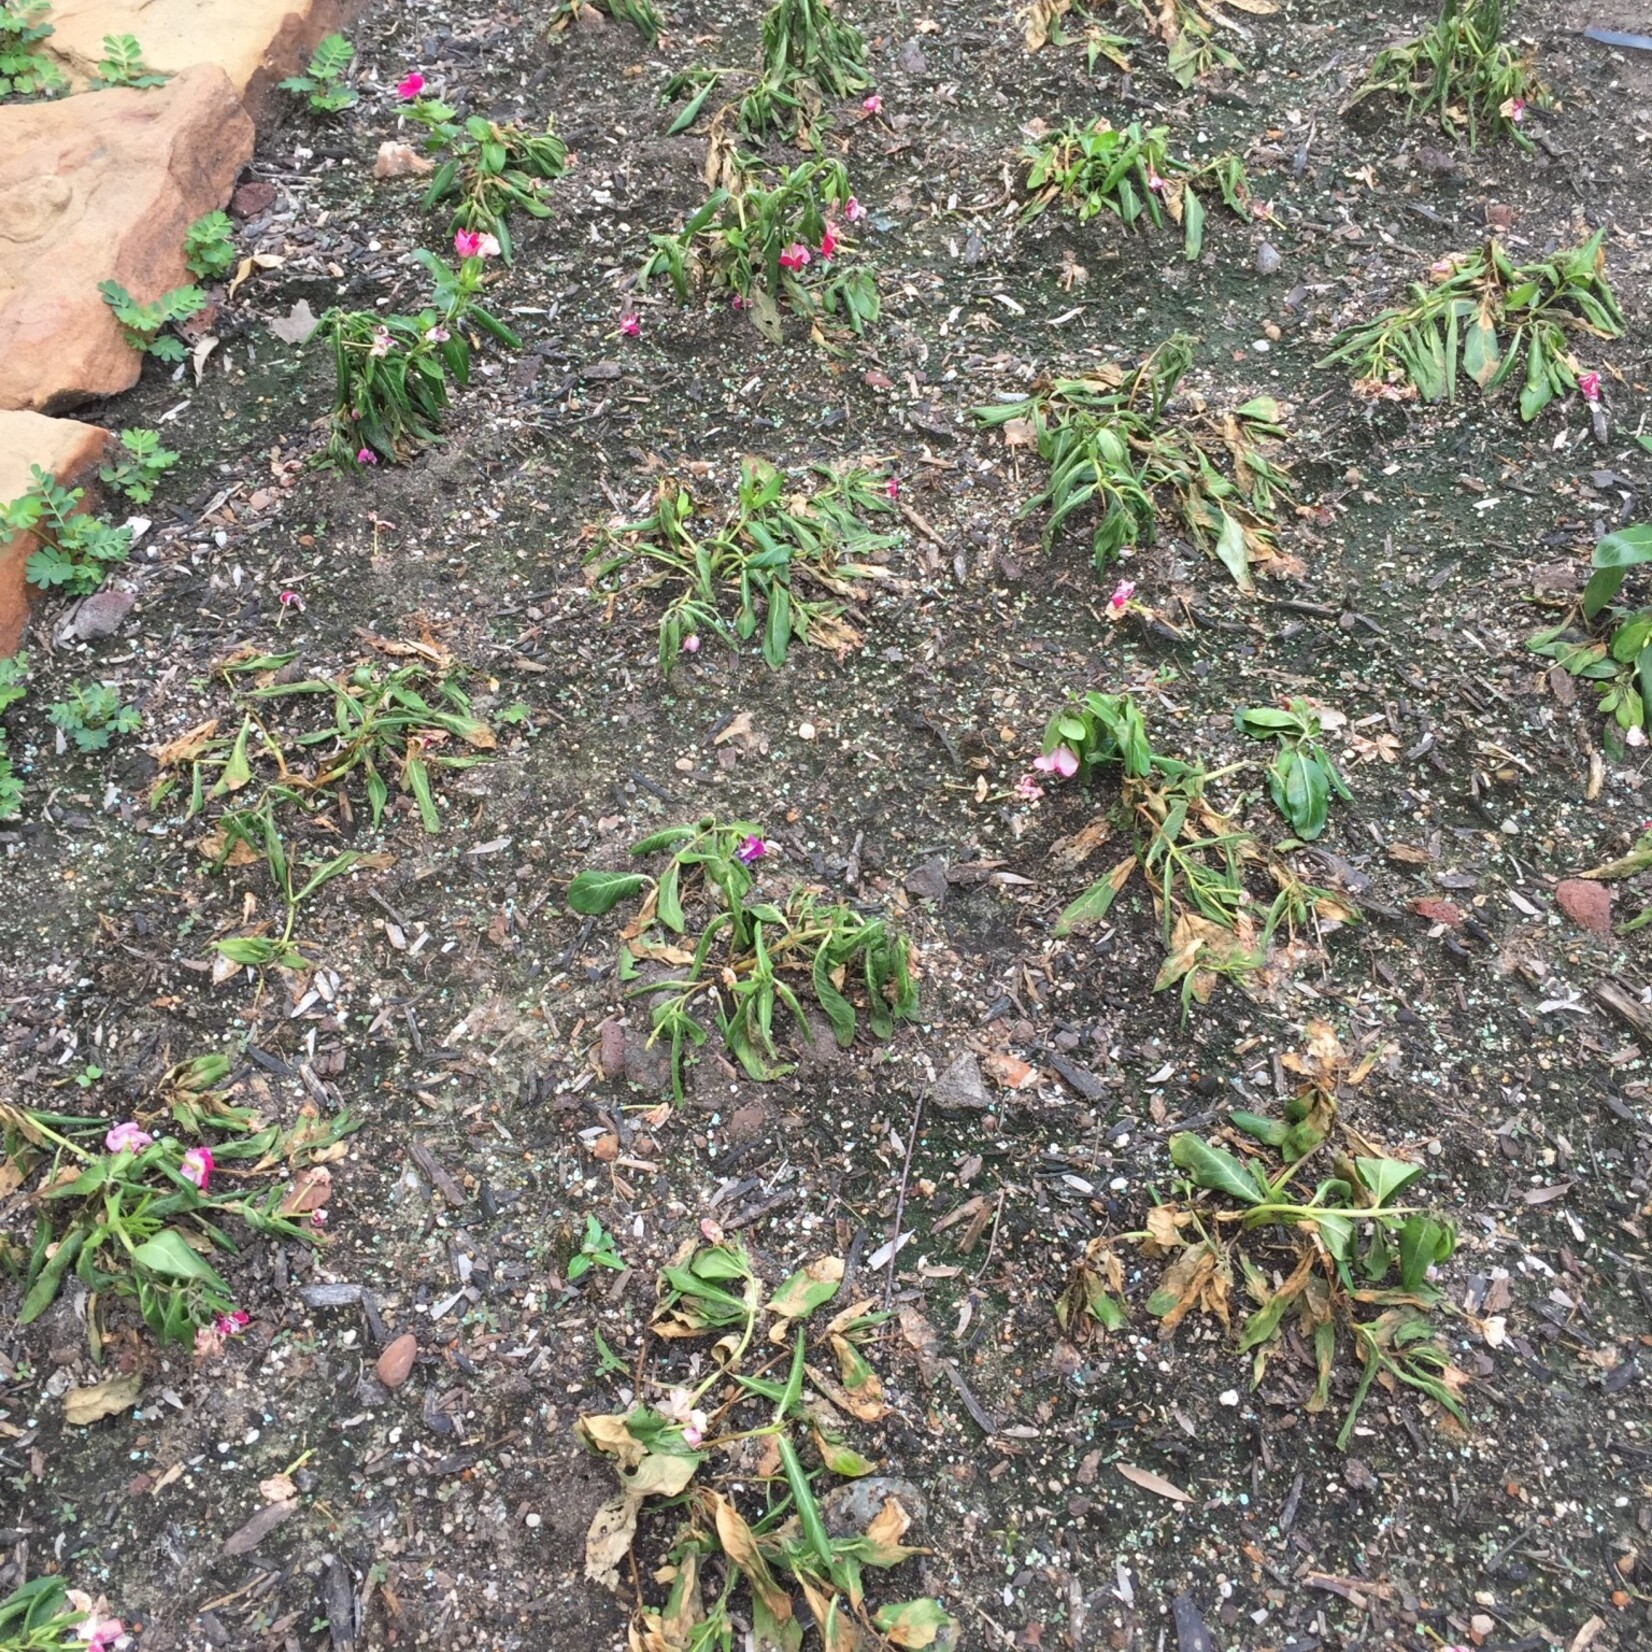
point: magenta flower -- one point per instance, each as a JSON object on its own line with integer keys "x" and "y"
{"x": 794, "y": 257}
{"x": 1125, "y": 589}
{"x": 1588, "y": 386}
{"x": 1062, "y": 761}
{"x": 366, "y": 456}
{"x": 232, "y": 1324}
{"x": 381, "y": 342}
{"x": 691, "y": 645}
{"x": 437, "y": 334}
{"x": 409, "y": 86}
{"x": 893, "y": 487}
{"x": 127, "y": 1137}
{"x": 629, "y": 324}
{"x": 1028, "y": 789}
{"x": 197, "y": 1167}
{"x": 1155, "y": 182}
{"x": 751, "y": 851}
{"x": 737, "y": 302}
{"x": 873, "y": 105}
{"x": 100, "y": 1634}
{"x": 291, "y": 599}
{"x": 853, "y": 210}
{"x": 467, "y": 243}
{"x": 828, "y": 243}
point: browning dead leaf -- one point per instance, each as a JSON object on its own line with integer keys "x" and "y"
{"x": 1089, "y": 1303}
{"x": 809, "y": 1288}
{"x": 1200, "y": 1276}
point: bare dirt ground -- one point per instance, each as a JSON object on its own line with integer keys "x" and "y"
{"x": 460, "y": 1021}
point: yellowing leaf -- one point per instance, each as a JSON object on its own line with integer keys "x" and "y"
{"x": 1155, "y": 1483}
{"x": 806, "y": 1290}
{"x": 82, "y": 1406}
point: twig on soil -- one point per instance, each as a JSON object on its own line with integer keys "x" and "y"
{"x": 900, "y": 1198}
{"x": 983, "y": 1420}
{"x": 992, "y": 1243}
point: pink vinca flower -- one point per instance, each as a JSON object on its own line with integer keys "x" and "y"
{"x": 853, "y": 210}
{"x": 366, "y": 456}
{"x": 751, "y": 851}
{"x": 1122, "y": 594}
{"x": 127, "y": 1137}
{"x": 1588, "y": 386}
{"x": 794, "y": 257}
{"x": 1062, "y": 761}
{"x": 467, "y": 243}
{"x": 630, "y": 325}
{"x": 409, "y": 86}
{"x": 99, "y": 1633}
{"x": 873, "y": 105}
{"x": 197, "y": 1167}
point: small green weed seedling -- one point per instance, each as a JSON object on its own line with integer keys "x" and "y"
{"x": 137, "y": 469}
{"x": 642, "y": 15}
{"x": 487, "y": 169}
{"x": 25, "y": 70}
{"x": 596, "y": 1250}
{"x": 75, "y": 549}
{"x": 744, "y": 950}
{"x": 209, "y": 247}
{"x": 1620, "y": 663}
{"x": 1302, "y": 778}
{"x": 1115, "y": 449}
{"x": 14, "y": 676}
{"x": 785, "y": 242}
{"x": 1130, "y": 173}
{"x": 122, "y": 64}
{"x": 93, "y": 715}
{"x": 788, "y": 565}
{"x": 1460, "y": 73}
{"x": 322, "y": 83}
{"x": 786, "y": 1407}
{"x": 1494, "y": 318}
{"x": 1197, "y": 864}
{"x": 143, "y": 324}
{"x": 808, "y": 54}
{"x": 391, "y": 372}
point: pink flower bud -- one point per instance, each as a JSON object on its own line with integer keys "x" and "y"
{"x": 873, "y": 105}
{"x": 467, "y": 243}
{"x": 1588, "y": 386}
{"x": 691, "y": 645}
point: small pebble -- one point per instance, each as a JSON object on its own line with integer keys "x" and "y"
{"x": 805, "y": 731}
{"x": 1228, "y": 1396}
{"x": 396, "y": 1361}
{"x": 1267, "y": 259}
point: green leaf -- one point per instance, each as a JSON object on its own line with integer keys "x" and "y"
{"x": 1213, "y": 1167}
{"x": 916, "y": 1624}
{"x": 1271, "y": 1132}
{"x": 170, "y": 1255}
{"x": 1386, "y": 1177}
{"x": 593, "y": 893}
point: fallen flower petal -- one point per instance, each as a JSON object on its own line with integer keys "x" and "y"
{"x": 381, "y": 342}
{"x": 127, "y": 1137}
{"x": 751, "y": 851}
{"x": 197, "y": 1167}
{"x": 630, "y": 325}
{"x": 893, "y": 487}
{"x": 100, "y": 1634}
{"x": 1588, "y": 386}
{"x": 828, "y": 242}
{"x": 233, "y": 1323}
{"x": 1028, "y": 789}
{"x": 873, "y": 105}
{"x": 366, "y": 456}
{"x": 487, "y": 246}
{"x": 795, "y": 256}
{"x": 409, "y": 86}
{"x": 853, "y": 210}
{"x": 467, "y": 243}
{"x": 1122, "y": 594}
{"x": 1062, "y": 760}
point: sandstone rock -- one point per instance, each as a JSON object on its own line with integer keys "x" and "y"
{"x": 1585, "y": 903}
{"x": 68, "y": 450}
{"x": 255, "y": 42}
{"x": 252, "y": 198}
{"x": 102, "y": 187}
{"x": 396, "y": 1362}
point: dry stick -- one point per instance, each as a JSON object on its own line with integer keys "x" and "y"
{"x": 900, "y": 1199}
